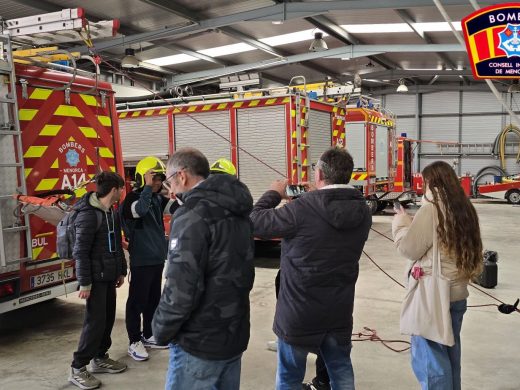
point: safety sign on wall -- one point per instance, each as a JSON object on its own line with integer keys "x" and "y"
{"x": 492, "y": 37}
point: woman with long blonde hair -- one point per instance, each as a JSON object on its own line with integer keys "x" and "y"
{"x": 437, "y": 366}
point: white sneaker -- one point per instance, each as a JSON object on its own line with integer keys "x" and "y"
{"x": 150, "y": 342}
{"x": 138, "y": 351}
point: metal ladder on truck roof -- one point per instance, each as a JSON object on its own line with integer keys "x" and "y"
{"x": 15, "y": 237}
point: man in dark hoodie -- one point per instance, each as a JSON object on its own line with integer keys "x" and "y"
{"x": 100, "y": 269}
{"x": 204, "y": 308}
{"x": 143, "y": 213}
{"x": 323, "y": 233}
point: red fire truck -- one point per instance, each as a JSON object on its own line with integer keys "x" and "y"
{"x": 57, "y": 130}
{"x": 274, "y": 136}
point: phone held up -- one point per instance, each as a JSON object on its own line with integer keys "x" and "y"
{"x": 294, "y": 191}
{"x": 397, "y": 205}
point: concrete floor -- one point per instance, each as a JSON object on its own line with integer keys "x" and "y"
{"x": 36, "y": 343}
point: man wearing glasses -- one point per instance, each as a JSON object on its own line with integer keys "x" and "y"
{"x": 323, "y": 233}
{"x": 204, "y": 308}
{"x": 100, "y": 269}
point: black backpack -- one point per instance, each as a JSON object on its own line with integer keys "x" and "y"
{"x": 66, "y": 233}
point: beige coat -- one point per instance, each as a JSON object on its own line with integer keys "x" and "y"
{"x": 414, "y": 240}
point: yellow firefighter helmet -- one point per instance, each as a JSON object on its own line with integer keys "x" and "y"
{"x": 145, "y": 165}
{"x": 223, "y": 165}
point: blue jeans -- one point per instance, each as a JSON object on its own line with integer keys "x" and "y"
{"x": 292, "y": 361}
{"x": 437, "y": 366}
{"x": 189, "y": 372}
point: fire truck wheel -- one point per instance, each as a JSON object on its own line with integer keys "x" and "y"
{"x": 372, "y": 205}
{"x": 513, "y": 196}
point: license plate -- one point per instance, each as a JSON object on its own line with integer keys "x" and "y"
{"x": 51, "y": 277}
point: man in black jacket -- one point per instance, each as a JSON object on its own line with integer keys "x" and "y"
{"x": 204, "y": 308}
{"x": 143, "y": 213}
{"x": 100, "y": 269}
{"x": 323, "y": 233}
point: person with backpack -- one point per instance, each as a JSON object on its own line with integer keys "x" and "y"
{"x": 142, "y": 215}
{"x": 100, "y": 269}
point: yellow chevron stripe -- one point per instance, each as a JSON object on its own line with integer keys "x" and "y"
{"x": 148, "y": 112}
{"x": 112, "y": 168}
{"x": 65, "y": 110}
{"x": 238, "y": 104}
{"x": 89, "y": 161}
{"x": 50, "y": 130}
{"x": 80, "y": 192}
{"x": 104, "y": 120}
{"x": 206, "y": 107}
{"x": 46, "y": 184}
{"x": 55, "y": 164}
{"x": 192, "y": 108}
{"x": 36, "y": 252}
{"x": 253, "y": 103}
{"x": 339, "y": 122}
{"x": 176, "y": 110}
{"x": 88, "y": 132}
{"x": 293, "y": 113}
{"x": 26, "y": 114}
{"x": 270, "y": 101}
{"x": 35, "y": 151}
{"x": 136, "y": 113}
{"x": 105, "y": 152}
{"x": 293, "y": 134}
{"x": 40, "y": 94}
{"x": 89, "y": 100}
{"x": 221, "y": 106}
{"x": 335, "y": 133}
{"x": 335, "y": 109}
{"x": 286, "y": 100}
{"x": 27, "y": 172}
{"x": 163, "y": 111}
{"x": 123, "y": 114}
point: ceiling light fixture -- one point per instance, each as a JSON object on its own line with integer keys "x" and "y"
{"x": 129, "y": 61}
{"x": 318, "y": 44}
{"x": 402, "y": 88}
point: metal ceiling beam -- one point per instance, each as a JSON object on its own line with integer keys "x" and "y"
{"x": 274, "y": 12}
{"x": 407, "y": 18}
{"x": 413, "y": 89}
{"x": 400, "y": 73}
{"x": 329, "y": 27}
{"x": 352, "y": 51}
{"x": 179, "y": 10}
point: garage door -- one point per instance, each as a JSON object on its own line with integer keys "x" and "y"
{"x": 261, "y": 132}
{"x": 319, "y": 135}
{"x": 141, "y": 137}
{"x": 190, "y": 131}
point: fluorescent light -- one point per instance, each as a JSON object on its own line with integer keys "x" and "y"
{"x": 436, "y": 26}
{"x": 284, "y": 39}
{"x": 227, "y": 49}
{"x": 171, "y": 60}
{"x": 377, "y": 28}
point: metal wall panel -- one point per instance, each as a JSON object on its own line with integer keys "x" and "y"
{"x": 381, "y": 151}
{"x": 441, "y": 103}
{"x": 511, "y": 166}
{"x": 427, "y": 160}
{"x": 261, "y": 132}
{"x": 401, "y": 104}
{"x": 476, "y": 102}
{"x": 481, "y": 129}
{"x": 355, "y": 134}
{"x": 189, "y": 132}
{"x": 473, "y": 165}
{"x": 141, "y": 137}
{"x": 408, "y": 126}
{"x": 439, "y": 129}
{"x": 319, "y": 135}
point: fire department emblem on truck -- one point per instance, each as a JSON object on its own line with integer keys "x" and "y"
{"x": 509, "y": 40}
{"x": 72, "y": 157}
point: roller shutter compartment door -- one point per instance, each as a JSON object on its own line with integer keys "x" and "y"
{"x": 189, "y": 132}
{"x": 261, "y": 132}
{"x": 141, "y": 137}
{"x": 319, "y": 136}
{"x": 381, "y": 152}
{"x": 355, "y": 134}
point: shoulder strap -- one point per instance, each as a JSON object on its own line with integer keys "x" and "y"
{"x": 436, "y": 261}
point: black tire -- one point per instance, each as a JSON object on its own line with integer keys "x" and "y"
{"x": 513, "y": 197}
{"x": 381, "y": 205}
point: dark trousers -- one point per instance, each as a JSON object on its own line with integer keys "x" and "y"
{"x": 100, "y": 314}
{"x": 143, "y": 297}
{"x": 321, "y": 370}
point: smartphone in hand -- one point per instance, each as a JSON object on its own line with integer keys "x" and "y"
{"x": 294, "y": 191}
{"x": 397, "y": 206}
